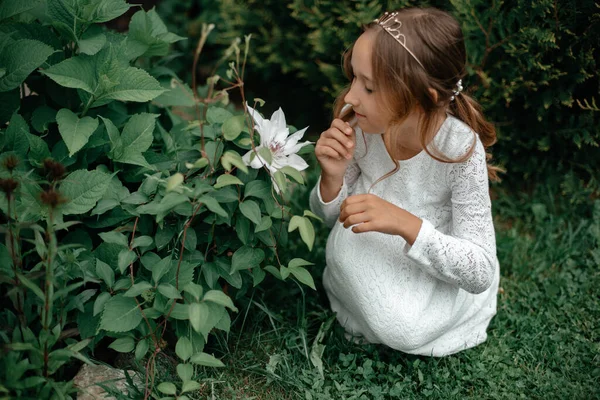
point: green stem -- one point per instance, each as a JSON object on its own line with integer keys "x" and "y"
{"x": 87, "y": 106}
{"x": 48, "y": 287}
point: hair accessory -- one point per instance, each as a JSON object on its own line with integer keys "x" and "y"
{"x": 459, "y": 88}
{"x": 391, "y": 25}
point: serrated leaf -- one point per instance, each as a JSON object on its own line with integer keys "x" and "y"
{"x": 19, "y": 59}
{"x": 83, "y": 189}
{"x": 121, "y": 314}
{"x": 246, "y": 257}
{"x": 207, "y": 360}
{"x": 233, "y": 127}
{"x": 11, "y": 8}
{"x": 184, "y": 350}
{"x": 226, "y": 180}
{"x": 218, "y": 297}
{"x": 123, "y": 345}
{"x": 160, "y": 268}
{"x": 75, "y": 132}
{"x": 15, "y": 137}
{"x": 99, "y": 11}
{"x": 251, "y": 210}
{"x": 148, "y": 35}
{"x": 92, "y": 41}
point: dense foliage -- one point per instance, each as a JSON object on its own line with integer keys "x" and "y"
{"x": 532, "y": 65}
{"x": 128, "y": 216}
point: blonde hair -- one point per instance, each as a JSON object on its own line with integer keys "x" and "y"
{"x": 436, "y": 39}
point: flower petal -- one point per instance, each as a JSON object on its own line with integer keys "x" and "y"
{"x": 257, "y": 161}
{"x": 295, "y": 161}
{"x": 263, "y": 126}
{"x": 291, "y": 144}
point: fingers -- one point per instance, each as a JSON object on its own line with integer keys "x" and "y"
{"x": 356, "y": 219}
{"x": 337, "y": 142}
{"x": 349, "y": 210}
{"x": 337, "y": 146}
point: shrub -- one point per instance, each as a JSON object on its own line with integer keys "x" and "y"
{"x": 532, "y": 65}
{"x": 124, "y": 223}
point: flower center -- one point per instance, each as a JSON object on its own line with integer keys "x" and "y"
{"x": 275, "y": 147}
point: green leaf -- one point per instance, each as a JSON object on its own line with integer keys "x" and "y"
{"x": 294, "y": 173}
{"x": 186, "y": 371}
{"x": 42, "y": 117}
{"x": 11, "y": 8}
{"x": 184, "y": 349}
{"x": 265, "y": 154}
{"x": 92, "y": 41}
{"x": 9, "y": 103}
{"x": 32, "y": 286}
{"x": 148, "y": 35}
{"x": 231, "y": 158}
{"x": 280, "y": 181}
{"x": 138, "y": 289}
{"x": 312, "y": 215}
{"x": 114, "y": 237}
{"x": 303, "y": 276}
{"x": 206, "y": 360}
{"x": 233, "y": 127}
{"x": 121, "y": 314}
{"x": 213, "y": 205}
{"x": 174, "y": 182}
{"x": 15, "y": 137}
{"x": 160, "y": 268}
{"x": 74, "y": 131}
{"x": 190, "y": 386}
{"x": 298, "y": 262}
{"x": 141, "y": 349}
{"x": 105, "y": 272}
{"x": 169, "y": 291}
{"x": 137, "y": 133}
{"x": 246, "y": 257}
{"x": 218, "y": 297}
{"x": 83, "y": 189}
{"x": 307, "y": 231}
{"x": 20, "y": 58}
{"x": 123, "y": 345}
{"x": 100, "y": 302}
{"x": 198, "y": 315}
{"x": 99, "y": 11}
{"x": 126, "y": 258}
{"x": 142, "y": 241}
{"x": 167, "y": 388}
{"x": 260, "y": 189}
{"x": 251, "y": 210}
{"x": 226, "y": 180}
{"x": 217, "y": 115}
{"x": 265, "y": 223}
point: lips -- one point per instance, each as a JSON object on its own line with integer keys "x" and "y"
{"x": 359, "y": 115}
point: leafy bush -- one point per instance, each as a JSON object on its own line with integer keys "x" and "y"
{"x": 128, "y": 215}
{"x": 533, "y": 66}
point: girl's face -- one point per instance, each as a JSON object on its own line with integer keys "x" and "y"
{"x": 362, "y": 96}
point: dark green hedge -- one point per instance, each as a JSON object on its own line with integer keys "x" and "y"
{"x": 532, "y": 64}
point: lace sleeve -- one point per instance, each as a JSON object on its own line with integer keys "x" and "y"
{"x": 330, "y": 211}
{"x": 466, "y": 257}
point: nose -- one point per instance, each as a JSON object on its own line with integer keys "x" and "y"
{"x": 351, "y": 97}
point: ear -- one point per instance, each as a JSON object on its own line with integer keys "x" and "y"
{"x": 434, "y": 94}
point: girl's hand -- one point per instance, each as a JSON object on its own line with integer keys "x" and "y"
{"x": 335, "y": 149}
{"x": 370, "y": 213}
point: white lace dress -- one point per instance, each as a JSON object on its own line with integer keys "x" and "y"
{"x": 437, "y": 296}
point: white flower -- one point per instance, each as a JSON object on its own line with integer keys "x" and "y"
{"x": 274, "y": 137}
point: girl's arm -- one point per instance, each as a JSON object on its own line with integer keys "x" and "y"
{"x": 466, "y": 257}
{"x": 326, "y": 199}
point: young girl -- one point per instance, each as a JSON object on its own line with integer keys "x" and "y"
{"x": 411, "y": 259}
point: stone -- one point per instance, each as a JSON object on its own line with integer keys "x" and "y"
{"x": 89, "y": 376}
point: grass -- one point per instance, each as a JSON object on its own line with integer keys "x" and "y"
{"x": 543, "y": 343}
